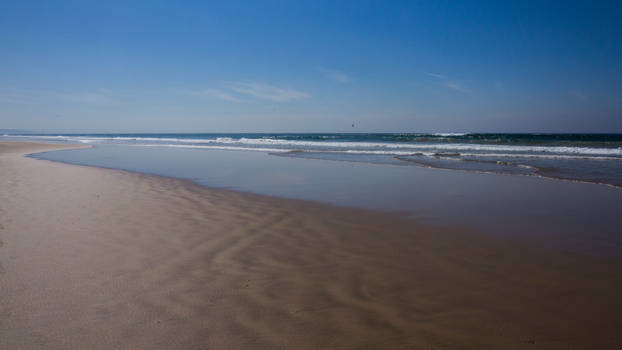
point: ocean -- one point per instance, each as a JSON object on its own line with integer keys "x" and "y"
{"x": 595, "y": 158}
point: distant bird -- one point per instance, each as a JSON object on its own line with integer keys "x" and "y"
{"x": 352, "y": 125}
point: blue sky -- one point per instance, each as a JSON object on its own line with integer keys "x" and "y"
{"x": 433, "y": 66}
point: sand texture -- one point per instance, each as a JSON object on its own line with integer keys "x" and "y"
{"x": 104, "y": 259}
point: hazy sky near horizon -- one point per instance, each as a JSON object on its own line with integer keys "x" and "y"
{"x": 313, "y": 66}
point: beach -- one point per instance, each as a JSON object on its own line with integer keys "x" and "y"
{"x": 102, "y": 258}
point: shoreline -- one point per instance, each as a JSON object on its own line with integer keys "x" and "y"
{"x": 555, "y": 156}
{"x": 108, "y": 258}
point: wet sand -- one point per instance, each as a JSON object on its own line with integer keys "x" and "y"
{"x": 101, "y": 259}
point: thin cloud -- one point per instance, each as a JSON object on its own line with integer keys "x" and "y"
{"x": 447, "y": 83}
{"x": 267, "y": 92}
{"x": 215, "y": 93}
{"x": 438, "y": 76}
{"x": 335, "y": 75}
{"x": 456, "y": 86}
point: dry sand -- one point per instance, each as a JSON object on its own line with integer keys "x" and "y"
{"x": 104, "y": 259}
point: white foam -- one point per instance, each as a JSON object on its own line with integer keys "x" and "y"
{"x": 389, "y": 148}
{"x": 227, "y": 148}
{"x": 450, "y": 134}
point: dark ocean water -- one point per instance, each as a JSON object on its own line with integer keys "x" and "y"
{"x": 595, "y": 158}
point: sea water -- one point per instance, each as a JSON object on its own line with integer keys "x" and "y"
{"x": 593, "y": 158}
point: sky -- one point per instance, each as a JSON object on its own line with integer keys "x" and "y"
{"x": 312, "y": 66}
